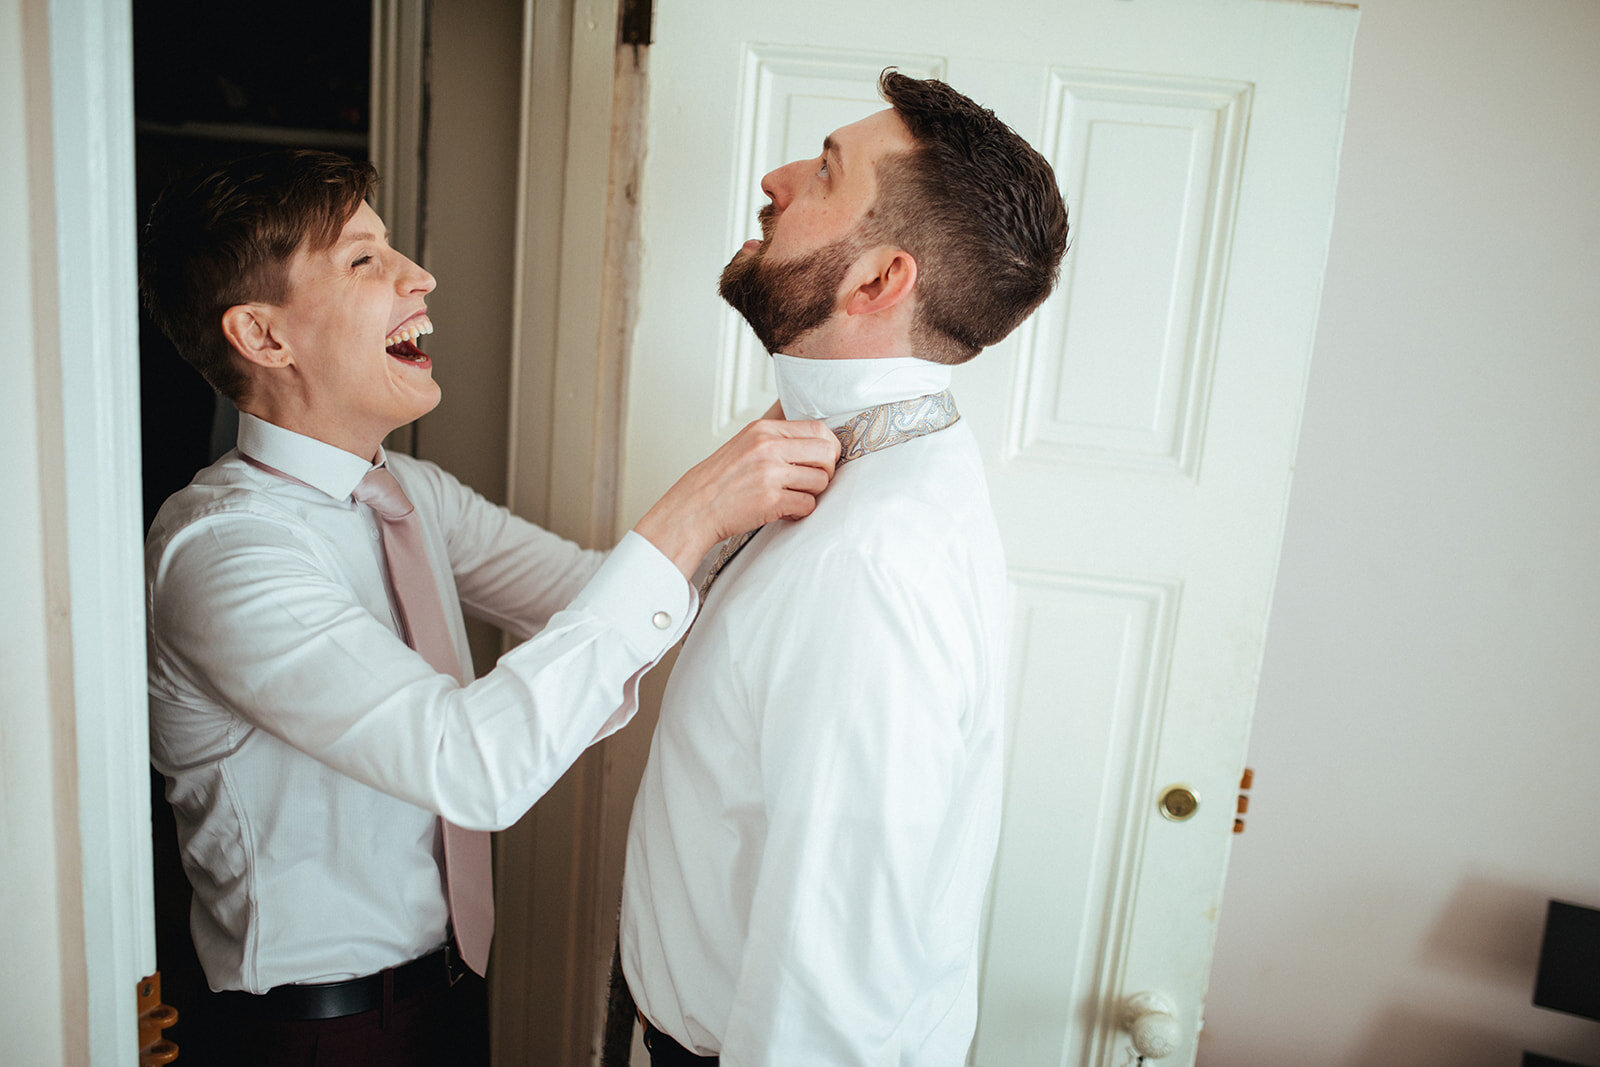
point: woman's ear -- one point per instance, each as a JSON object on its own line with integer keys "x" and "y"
{"x": 883, "y": 277}
{"x": 248, "y": 328}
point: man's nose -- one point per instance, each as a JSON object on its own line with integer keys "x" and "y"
{"x": 413, "y": 279}
{"x": 779, "y": 185}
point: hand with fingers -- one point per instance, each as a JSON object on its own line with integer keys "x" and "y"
{"x": 771, "y": 469}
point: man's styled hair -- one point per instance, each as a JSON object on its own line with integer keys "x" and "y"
{"x": 977, "y": 208}
{"x": 225, "y": 237}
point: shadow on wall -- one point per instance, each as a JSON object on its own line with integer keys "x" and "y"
{"x": 1490, "y": 932}
{"x": 1489, "y": 936}
{"x": 1417, "y": 1034}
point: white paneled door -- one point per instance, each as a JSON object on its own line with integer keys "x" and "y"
{"x": 1139, "y": 431}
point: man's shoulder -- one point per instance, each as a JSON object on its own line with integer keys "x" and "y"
{"x": 920, "y": 504}
{"x": 231, "y": 490}
{"x": 231, "y": 482}
{"x": 900, "y": 551}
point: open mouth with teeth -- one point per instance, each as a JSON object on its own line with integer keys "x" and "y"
{"x": 402, "y": 343}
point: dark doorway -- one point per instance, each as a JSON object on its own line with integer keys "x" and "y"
{"x": 214, "y": 82}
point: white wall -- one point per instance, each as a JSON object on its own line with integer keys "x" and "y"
{"x": 1427, "y": 743}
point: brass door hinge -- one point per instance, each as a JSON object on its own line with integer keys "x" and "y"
{"x": 1245, "y": 781}
{"x": 154, "y": 1017}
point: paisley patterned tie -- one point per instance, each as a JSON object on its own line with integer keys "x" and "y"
{"x": 872, "y": 430}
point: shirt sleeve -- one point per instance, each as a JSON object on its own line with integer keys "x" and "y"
{"x": 508, "y": 571}
{"x": 245, "y": 614}
{"x": 862, "y": 750}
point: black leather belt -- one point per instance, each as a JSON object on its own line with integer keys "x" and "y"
{"x": 665, "y": 1052}
{"x": 333, "y": 1000}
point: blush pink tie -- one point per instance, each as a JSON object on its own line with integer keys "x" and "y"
{"x": 468, "y": 867}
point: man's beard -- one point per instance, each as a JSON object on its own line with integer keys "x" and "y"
{"x": 782, "y": 301}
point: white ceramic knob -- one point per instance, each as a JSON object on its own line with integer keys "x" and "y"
{"x": 1150, "y": 1018}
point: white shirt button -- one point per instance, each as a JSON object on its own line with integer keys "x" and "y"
{"x": 661, "y": 619}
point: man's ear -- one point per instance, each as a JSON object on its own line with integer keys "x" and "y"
{"x": 881, "y": 278}
{"x": 248, "y": 328}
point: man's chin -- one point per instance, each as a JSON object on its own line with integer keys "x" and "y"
{"x": 424, "y": 404}
{"x": 743, "y": 260}
{"x": 419, "y": 389}
{"x": 784, "y": 301}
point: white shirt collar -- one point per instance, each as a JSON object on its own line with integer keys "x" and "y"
{"x": 831, "y": 388}
{"x": 317, "y": 463}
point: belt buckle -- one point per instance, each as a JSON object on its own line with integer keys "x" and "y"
{"x": 454, "y": 968}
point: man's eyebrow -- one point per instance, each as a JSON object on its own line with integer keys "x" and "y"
{"x": 357, "y": 238}
{"x": 831, "y": 147}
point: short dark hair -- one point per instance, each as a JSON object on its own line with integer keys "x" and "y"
{"x": 979, "y": 210}
{"x": 223, "y": 237}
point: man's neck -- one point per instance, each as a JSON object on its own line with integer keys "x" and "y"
{"x": 854, "y": 337}
{"x": 305, "y": 422}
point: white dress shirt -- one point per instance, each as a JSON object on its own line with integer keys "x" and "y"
{"x": 817, "y": 821}
{"x": 309, "y": 752}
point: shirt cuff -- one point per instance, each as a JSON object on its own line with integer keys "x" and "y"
{"x": 642, "y": 595}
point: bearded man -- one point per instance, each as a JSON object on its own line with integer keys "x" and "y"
{"x": 813, "y": 836}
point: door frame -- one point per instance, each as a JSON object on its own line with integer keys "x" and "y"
{"x": 90, "y": 778}
{"x": 558, "y": 871}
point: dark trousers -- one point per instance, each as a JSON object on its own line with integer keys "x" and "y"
{"x": 665, "y": 1052}
{"x": 622, "y": 1014}
{"x": 444, "y": 1024}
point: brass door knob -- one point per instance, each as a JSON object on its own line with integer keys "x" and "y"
{"x": 1178, "y": 802}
